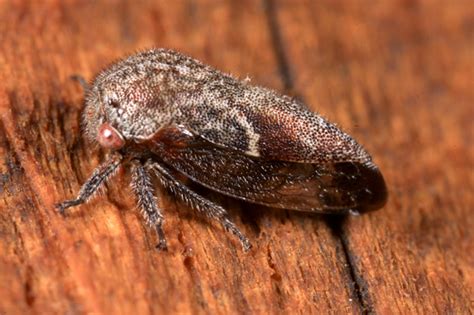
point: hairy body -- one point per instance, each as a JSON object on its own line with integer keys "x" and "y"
{"x": 164, "y": 113}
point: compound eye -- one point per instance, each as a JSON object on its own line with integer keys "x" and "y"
{"x": 109, "y": 137}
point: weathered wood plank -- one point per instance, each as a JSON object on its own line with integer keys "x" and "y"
{"x": 101, "y": 258}
{"x": 398, "y": 75}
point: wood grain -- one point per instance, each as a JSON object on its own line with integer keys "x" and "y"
{"x": 397, "y": 75}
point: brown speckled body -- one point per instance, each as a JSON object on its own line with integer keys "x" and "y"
{"x": 166, "y": 113}
{"x": 162, "y": 87}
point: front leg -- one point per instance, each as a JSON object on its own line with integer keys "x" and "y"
{"x": 142, "y": 186}
{"x": 100, "y": 175}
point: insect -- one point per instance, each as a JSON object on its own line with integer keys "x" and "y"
{"x": 166, "y": 115}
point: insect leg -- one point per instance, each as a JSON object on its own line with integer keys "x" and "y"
{"x": 141, "y": 184}
{"x": 198, "y": 202}
{"x": 85, "y": 86}
{"x": 98, "y": 178}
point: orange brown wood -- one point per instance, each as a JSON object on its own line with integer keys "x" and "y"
{"x": 397, "y": 75}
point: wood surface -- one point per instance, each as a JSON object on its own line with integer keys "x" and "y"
{"x": 397, "y": 75}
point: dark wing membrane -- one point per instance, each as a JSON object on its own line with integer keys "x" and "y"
{"x": 298, "y": 186}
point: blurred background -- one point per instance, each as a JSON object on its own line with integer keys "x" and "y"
{"x": 397, "y": 75}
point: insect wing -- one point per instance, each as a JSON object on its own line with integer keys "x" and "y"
{"x": 331, "y": 188}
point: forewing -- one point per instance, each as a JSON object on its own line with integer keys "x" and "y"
{"x": 299, "y": 186}
{"x": 262, "y": 123}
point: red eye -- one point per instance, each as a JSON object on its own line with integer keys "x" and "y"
{"x": 109, "y": 137}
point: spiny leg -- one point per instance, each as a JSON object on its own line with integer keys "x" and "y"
{"x": 141, "y": 184}
{"x": 198, "y": 202}
{"x": 79, "y": 78}
{"x": 100, "y": 175}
